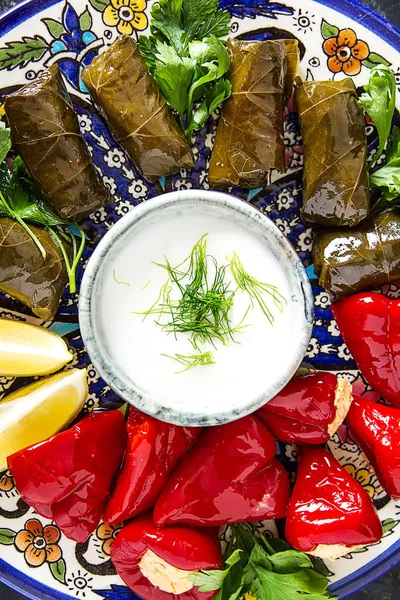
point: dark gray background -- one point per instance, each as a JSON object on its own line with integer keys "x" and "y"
{"x": 388, "y": 587}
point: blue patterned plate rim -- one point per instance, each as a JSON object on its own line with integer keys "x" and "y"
{"x": 355, "y": 9}
{"x": 375, "y": 569}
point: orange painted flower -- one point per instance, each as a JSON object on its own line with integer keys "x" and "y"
{"x": 345, "y": 52}
{"x": 6, "y": 482}
{"x": 38, "y": 543}
{"x": 126, "y": 15}
{"x": 107, "y": 534}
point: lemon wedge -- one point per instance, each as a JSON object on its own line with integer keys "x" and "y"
{"x": 27, "y": 350}
{"x": 40, "y": 410}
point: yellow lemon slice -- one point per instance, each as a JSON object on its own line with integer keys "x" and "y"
{"x": 27, "y": 350}
{"x": 40, "y": 410}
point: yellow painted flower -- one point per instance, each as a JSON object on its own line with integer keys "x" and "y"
{"x": 364, "y": 477}
{"x": 126, "y": 15}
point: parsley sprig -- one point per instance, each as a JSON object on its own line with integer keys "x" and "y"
{"x": 22, "y": 201}
{"x": 379, "y": 102}
{"x": 263, "y": 569}
{"x": 187, "y": 59}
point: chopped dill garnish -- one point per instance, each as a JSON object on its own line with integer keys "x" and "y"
{"x": 203, "y": 309}
{"x": 146, "y": 284}
{"x": 198, "y": 297}
{"x": 192, "y": 360}
{"x": 120, "y": 282}
{"x": 256, "y": 289}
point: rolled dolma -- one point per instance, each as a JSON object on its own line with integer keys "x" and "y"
{"x": 335, "y": 178}
{"x": 25, "y": 274}
{"x": 352, "y": 260}
{"x": 136, "y": 111}
{"x": 45, "y": 132}
{"x": 249, "y": 140}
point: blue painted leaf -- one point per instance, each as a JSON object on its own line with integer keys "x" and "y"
{"x": 117, "y": 592}
{"x": 70, "y": 17}
{"x": 255, "y": 8}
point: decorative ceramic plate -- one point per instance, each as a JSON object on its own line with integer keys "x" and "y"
{"x": 38, "y": 33}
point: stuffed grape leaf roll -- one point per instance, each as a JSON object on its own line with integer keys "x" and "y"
{"x": 136, "y": 111}
{"x": 351, "y": 260}
{"x": 25, "y": 274}
{"x": 335, "y": 178}
{"x": 45, "y": 132}
{"x": 249, "y": 140}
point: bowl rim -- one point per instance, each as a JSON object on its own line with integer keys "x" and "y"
{"x": 116, "y": 379}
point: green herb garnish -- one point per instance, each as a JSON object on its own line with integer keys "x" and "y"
{"x": 22, "y": 201}
{"x": 258, "y": 568}
{"x": 379, "y": 101}
{"x": 119, "y": 282}
{"x": 256, "y": 289}
{"x": 190, "y": 361}
{"x": 203, "y": 308}
{"x": 204, "y": 301}
{"x": 187, "y": 59}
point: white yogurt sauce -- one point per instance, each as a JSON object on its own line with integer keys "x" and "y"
{"x": 243, "y": 370}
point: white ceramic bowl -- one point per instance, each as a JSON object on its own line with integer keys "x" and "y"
{"x": 162, "y": 405}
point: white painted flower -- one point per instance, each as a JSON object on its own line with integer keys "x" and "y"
{"x": 322, "y": 299}
{"x": 203, "y": 180}
{"x": 304, "y": 243}
{"x": 114, "y": 158}
{"x": 138, "y": 189}
{"x": 85, "y": 123}
{"x": 123, "y": 207}
{"x": 110, "y": 183}
{"x": 313, "y": 348}
{"x": 291, "y": 452}
{"x": 285, "y": 199}
{"x": 99, "y": 216}
{"x": 344, "y": 352}
{"x": 283, "y": 225}
{"x": 333, "y": 329}
{"x": 92, "y": 374}
{"x": 182, "y": 185}
{"x": 210, "y": 140}
{"x": 91, "y": 403}
{"x": 296, "y": 160}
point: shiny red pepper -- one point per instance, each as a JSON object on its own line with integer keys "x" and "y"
{"x": 309, "y": 410}
{"x": 231, "y": 475}
{"x": 182, "y": 547}
{"x": 153, "y": 451}
{"x": 68, "y": 477}
{"x": 376, "y": 429}
{"x": 370, "y": 326}
{"x": 328, "y": 506}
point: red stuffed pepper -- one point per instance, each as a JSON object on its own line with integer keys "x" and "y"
{"x": 309, "y": 410}
{"x": 153, "y": 451}
{"x": 156, "y": 563}
{"x": 329, "y": 512}
{"x": 231, "y": 475}
{"x": 68, "y": 477}
{"x": 370, "y": 326}
{"x": 376, "y": 429}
